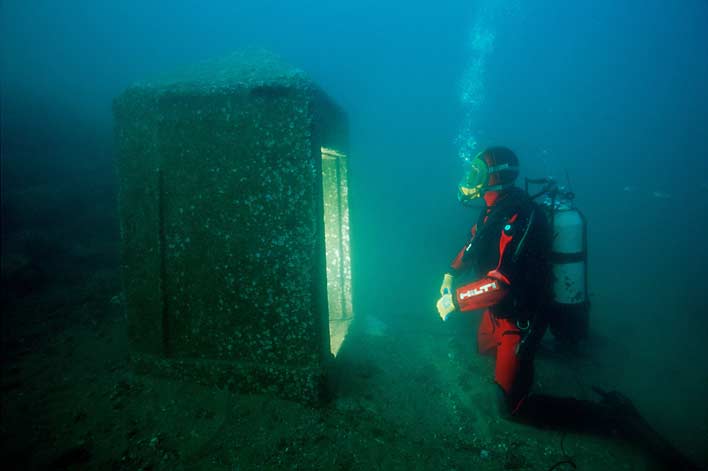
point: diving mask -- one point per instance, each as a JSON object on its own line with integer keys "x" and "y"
{"x": 474, "y": 181}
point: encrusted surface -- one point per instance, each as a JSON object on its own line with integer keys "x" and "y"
{"x": 221, "y": 218}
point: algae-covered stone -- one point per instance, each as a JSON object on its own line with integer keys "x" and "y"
{"x": 221, "y": 211}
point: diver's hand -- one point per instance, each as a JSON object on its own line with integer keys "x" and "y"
{"x": 445, "y": 306}
{"x": 446, "y": 286}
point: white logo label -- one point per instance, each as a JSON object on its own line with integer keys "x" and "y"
{"x": 477, "y": 291}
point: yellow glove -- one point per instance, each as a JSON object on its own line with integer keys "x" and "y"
{"x": 446, "y": 286}
{"x": 445, "y": 306}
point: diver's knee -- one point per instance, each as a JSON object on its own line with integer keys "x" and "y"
{"x": 507, "y": 405}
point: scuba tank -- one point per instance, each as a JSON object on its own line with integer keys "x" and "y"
{"x": 569, "y": 306}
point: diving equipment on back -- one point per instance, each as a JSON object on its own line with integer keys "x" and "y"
{"x": 570, "y": 305}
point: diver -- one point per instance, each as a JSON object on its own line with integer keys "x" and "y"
{"x": 508, "y": 256}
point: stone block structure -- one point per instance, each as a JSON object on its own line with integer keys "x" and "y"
{"x": 235, "y": 227}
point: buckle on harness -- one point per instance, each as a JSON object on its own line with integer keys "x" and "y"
{"x": 525, "y": 328}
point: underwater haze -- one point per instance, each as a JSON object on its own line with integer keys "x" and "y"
{"x": 607, "y": 97}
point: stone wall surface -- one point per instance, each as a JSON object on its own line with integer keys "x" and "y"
{"x": 221, "y": 219}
